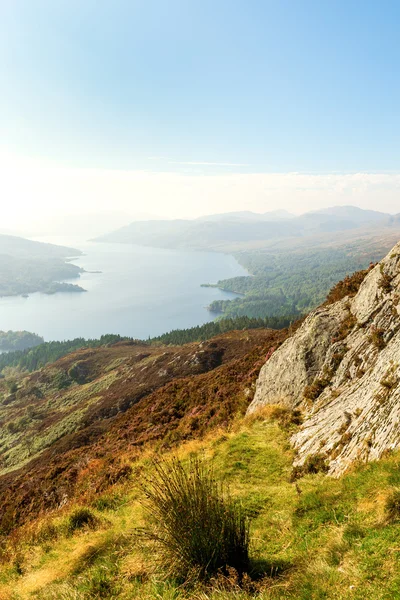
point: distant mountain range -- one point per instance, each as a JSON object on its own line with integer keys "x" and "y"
{"x": 240, "y": 230}
{"x": 76, "y": 226}
{"x": 247, "y": 215}
{"x": 352, "y": 213}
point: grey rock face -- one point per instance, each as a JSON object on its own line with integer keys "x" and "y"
{"x": 299, "y": 360}
{"x": 342, "y": 370}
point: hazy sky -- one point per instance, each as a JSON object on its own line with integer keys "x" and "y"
{"x": 185, "y": 107}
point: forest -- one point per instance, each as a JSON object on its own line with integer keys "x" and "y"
{"x": 20, "y": 276}
{"x": 27, "y": 266}
{"x": 204, "y": 332}
{"x": 34, "y": 358}
{"x": 18, "y": 340}
{"x": 293, "y": 283}
{"x": 48, "y": 352}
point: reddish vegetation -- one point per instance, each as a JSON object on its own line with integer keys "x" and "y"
{"x": 349, "y": 286}
{"x": 161, "y": 395}
{"x": 156, "y": 396}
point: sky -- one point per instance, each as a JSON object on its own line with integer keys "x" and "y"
{"x": 180, "y": 108}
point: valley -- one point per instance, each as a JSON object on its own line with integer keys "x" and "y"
{"x": 291, "y": 262}
{"x": 199, "y": 300}
{"x": 81, "y": 435}
{"x": 296, "y": 413}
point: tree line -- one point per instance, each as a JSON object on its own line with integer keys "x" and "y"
{"x": 35, "y": 358}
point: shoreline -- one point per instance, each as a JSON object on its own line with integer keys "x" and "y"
{"x": 217, "y": 287}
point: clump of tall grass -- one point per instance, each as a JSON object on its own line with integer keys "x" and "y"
{"x": 198, "y": 528}
{"x": 392, "y": 505}
{"x": 81, "y": 518}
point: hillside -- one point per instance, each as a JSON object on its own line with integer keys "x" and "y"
{"x": 247, "y": 215}
{"x": 18, "y": 341}
{"x": 294, "y": 281}
{"x": 23, "y": 248}
{"x": 27, "y": 266}
{"x": 315, "y": 537}
{"x": 330, "y": 539}
{"x": 79, "y": 438}
{"x": 112, "y": 400}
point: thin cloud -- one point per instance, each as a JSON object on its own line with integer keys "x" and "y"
{"x": 209, "y": 164}
{"x": 198, "y": 163}
{"x": 32, "y": 190}
{"x": 157, "y": 158}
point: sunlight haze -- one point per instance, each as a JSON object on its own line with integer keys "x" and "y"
{"x": 189, "y": 108}
{"x": 35, "y": 190}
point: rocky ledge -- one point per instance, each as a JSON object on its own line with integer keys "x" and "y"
{"x": 341, "y": 369}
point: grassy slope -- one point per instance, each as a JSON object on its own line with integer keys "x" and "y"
{"x": 327, "y": 538}
{"x": 313, "y": 539}
{"x": 133, "y": 396}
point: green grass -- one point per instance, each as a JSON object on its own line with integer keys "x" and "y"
{"x": 316, "y": 538}
{"x": 69, "y": 406}
{"x": 197, "y": 527}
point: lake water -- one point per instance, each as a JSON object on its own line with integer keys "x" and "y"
{"x": 140, "y": 292}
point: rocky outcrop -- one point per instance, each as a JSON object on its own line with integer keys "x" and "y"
{"x": 342, "y": 370}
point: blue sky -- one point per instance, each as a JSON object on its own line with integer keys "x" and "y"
{"x": 166, "y": 86}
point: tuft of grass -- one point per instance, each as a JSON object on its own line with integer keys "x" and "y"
{"x": 108, "y": 502}
{"x": 315, "y": 463}
{"x": 197, "y": 526}
{"x": 313, "y": 391}
{"x": 392, "y": 505}
{"x": 385, "y": 282}
{"x": 286, "y": 417}
{"x": 377, "y": 337}
{"x": 81, "y": 518}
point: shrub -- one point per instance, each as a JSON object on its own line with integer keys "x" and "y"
{"x": 12, "y": 386}
{"x": 377, "y": 337}
{"x": 286, "y": 417}
{"x": 385, "y": 282}
{"x": 392, "y": 505}
{"x": 345, "y": 328}
{"x": 12, "y": 427}
{"x": 61, "y": 380}
{"x": 197, "y": 527}
{"x": 315, "y": 463}
{"x": 313, "y": 391}
{"x": 349, "y": 286}
{"x": 79, "y": 372}
{"x": 80, "y": 518}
